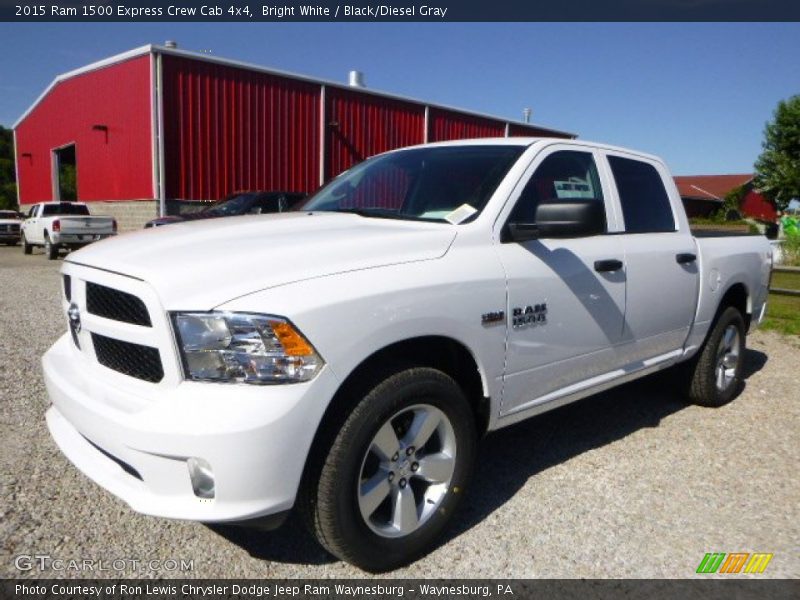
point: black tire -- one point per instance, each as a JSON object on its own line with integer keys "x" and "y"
{"x": 50, "y": 249}
{"x": 26, "y": 247}
{"x": 331, "y": 502}
{"x": 703, "y": 376}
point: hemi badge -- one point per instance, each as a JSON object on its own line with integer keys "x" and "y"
{"x": 493, "y": 317}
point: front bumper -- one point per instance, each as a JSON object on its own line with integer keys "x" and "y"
{"x": 136, "y": 445}
{"x": 8, "y": 236}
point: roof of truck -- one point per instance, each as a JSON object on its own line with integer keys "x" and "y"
{"x": 529, "y": 141}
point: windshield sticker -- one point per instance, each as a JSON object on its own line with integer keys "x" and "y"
{"x": 574, "y": 188}
{"x": 434, "y": 214}
{"x": 461, "y": 214}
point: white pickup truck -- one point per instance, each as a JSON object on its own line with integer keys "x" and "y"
{"x": 10, "y": 221}
{"x": 57, "y": 225}
{"x": 345, "y": 359}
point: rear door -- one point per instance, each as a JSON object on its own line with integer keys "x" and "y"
{"x": 660, "y": 260}
{"x": 564, "y": 315}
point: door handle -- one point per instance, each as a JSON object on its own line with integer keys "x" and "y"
{"x": 685, "y": 258}
{"x": 610, "y": 264}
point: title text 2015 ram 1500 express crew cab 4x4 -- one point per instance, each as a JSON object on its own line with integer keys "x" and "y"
{"x": 346, "y": 358}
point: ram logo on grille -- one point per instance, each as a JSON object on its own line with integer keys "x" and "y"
{"x": 74, "y": 314}
{"x": 74, "y": 318}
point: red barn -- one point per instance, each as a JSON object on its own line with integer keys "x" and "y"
{"x": 158, "y": 126}
{"x": 703, "y": 195}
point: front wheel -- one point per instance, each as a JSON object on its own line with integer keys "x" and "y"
{"x": 715, "y": 375}
{"x": 395, "y": 472}
{"x": 26, "y": 247}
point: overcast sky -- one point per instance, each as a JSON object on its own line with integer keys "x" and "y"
{"x": 696, "y": 94}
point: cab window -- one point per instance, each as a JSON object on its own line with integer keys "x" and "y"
{"x": 564, "y": 176}
{"x": 645, "y": 204}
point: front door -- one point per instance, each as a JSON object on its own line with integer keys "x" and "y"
{"x": 566, "y": 306}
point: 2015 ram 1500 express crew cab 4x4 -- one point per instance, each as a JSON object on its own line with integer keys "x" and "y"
{"x": 345, "y": 359}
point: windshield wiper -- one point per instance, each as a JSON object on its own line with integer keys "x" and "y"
{"x": 378, "y": 213}
{"x": 383, "y": 213}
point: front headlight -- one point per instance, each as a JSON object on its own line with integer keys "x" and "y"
{"x": 249, "y": 348}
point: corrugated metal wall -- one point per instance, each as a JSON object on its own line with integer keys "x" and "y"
{"x": 360, "y": 125}
{"x": 113, "y": 166}
{"x": 228, "y": 129}
{"x": 450, "y": 125}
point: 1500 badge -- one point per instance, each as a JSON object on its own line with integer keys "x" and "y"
{"x": 529, "y": 315}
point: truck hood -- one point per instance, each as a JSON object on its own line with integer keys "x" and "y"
{"x": 200, "y": 265}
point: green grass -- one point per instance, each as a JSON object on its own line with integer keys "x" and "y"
{"x": 720, "y": 224}
{"x": 791, "y": 251}
{"x": 787, "y": 281}
{"x": 783, "y": 314}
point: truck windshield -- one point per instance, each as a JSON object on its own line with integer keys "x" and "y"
{"x": 64, "y": 208}
{"x": 446, "y": 183}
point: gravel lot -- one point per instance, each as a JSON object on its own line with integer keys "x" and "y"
{"x": 629, "y": 483}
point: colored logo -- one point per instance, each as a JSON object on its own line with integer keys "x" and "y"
{"x": 735, "y": 562}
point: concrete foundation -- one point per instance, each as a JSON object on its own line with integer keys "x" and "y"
{"x": 130, "y": 214}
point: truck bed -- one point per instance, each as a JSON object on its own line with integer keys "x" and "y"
{"x": 724, "y": 259}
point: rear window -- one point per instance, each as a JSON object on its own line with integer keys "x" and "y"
{"x": 64, "y": 209}
{"x": 645, "y": 204}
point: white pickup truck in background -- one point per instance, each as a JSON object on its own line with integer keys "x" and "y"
{"x": 10, "y": 221}
{"x": 57, "y": 225}
{"x": 345, "y": 359}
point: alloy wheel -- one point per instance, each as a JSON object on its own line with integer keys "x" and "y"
{"x": 406, "y": 471}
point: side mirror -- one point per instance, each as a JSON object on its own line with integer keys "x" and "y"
{"x": 561, "y": 219}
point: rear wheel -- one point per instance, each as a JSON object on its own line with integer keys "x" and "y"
{"x": 395, "y": 472}
{"x": 26, "y": 247}
{"x": 50, "y": 249}
{"x": 715, "y": 375}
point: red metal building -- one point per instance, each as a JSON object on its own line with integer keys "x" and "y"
{"x": 158, "y": 124}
